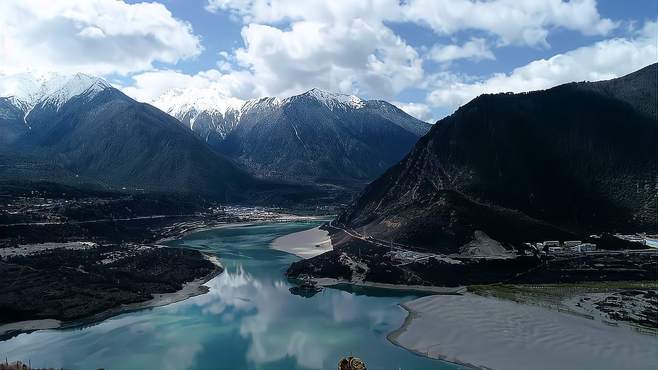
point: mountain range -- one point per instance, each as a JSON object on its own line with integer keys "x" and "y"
{"x": 561, "y": 163}
{"x": 317, "y": 136}
{"x": 79, "y": 129}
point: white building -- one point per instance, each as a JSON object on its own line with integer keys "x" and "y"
{"x": 584, "y": 247}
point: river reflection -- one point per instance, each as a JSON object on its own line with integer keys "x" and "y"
{"x": 248, "y": 320}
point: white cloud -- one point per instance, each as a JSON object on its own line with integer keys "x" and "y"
{"x": 151, "y": 85}
{"x": 93, "y": 36}
{"x": 289, "y": 46}
{"x": 512, "y": 21}
{"x": 351, "y": 57}
{"x": 474, "y": 49}
{"x": 602, "y": 60}
{"x": 347, "y": 45}
{"x": 418, "y": 110}
{"x": 270, "y": 12}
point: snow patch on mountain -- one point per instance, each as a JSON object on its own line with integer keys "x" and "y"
{"x": 195, "y": 101}
{"x": 261, "y": 105}
{"x": 29, "y": 89}
{"x": 189, "y": 104}
{"x": 336, "y": 100}
{"x": 210, "y": 113}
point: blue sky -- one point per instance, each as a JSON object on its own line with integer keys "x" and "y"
{"x": 426, "y": 56}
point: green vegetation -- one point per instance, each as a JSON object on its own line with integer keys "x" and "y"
{"x": 553, "y": 294}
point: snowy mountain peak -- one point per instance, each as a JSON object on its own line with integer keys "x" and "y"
{"x": 261, "y": 104}
{"x": 28, "y": 89}
{"x": 205, "y": 111}
{"x": 334, "y": 100}
{"x": 178, "y": 102}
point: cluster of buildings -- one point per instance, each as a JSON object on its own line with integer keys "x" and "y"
{"x": 556, "y": 246}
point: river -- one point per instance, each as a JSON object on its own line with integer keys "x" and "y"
{"x": 248, "y": 320}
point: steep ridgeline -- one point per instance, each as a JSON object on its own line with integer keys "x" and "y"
{"x": 316, "y": 136}
{"x": 80, "y": 129}
{"x": 565, "y": 162}
{"x": 209, "y": 116}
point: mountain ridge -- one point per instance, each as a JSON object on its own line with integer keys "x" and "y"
{"x": 556, "y": 157}
{"x": 100, "y": 134}
{"x": 313, "y": 136}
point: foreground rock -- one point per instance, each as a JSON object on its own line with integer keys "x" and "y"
{"x": 70, "y": 284}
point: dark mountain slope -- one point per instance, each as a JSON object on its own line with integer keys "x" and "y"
{"x": 11, "y": 122}
{"x": 308, "y": 138}
{"x": 104, "y": 137}
{"x": 520, "y": 167}
{"x": 122, "y": 143}
{"x": 637, "y": 89}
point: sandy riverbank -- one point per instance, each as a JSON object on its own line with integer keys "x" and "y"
{"x": 496, "y": 334}
{"x": 304, "y": 244}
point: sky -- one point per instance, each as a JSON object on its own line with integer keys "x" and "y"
{"x": 427, "y": 56}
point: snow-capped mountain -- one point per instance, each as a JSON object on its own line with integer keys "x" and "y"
{"x": 213, "y": 116}
{"x": 314, "y": 135}
{"x": 202, "y": 110}
{"x": 336, "y": 100}
{"x": 85, "y": 125}
{"x": 207, "y": 113}
{"x": 29, "y": 89}
{"x": 79, "y": 129}
{"x": 25, "y": 94}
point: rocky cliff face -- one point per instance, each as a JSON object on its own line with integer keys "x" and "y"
{"x": 574, "y": 159}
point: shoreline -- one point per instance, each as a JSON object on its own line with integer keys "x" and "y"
{"x": 189, "y": 289}
{"x": 435, "y": 290}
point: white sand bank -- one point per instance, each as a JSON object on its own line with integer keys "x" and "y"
{"x": 30, "y": 325}
{"x": 495, "y": 334}
{"x": 305, "y": 244}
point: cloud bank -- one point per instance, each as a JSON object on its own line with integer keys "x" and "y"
{"x": 92, "y": 36}
{"x": 349, "y": 46}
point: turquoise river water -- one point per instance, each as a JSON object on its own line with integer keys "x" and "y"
{"x": 248, "y": 320}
